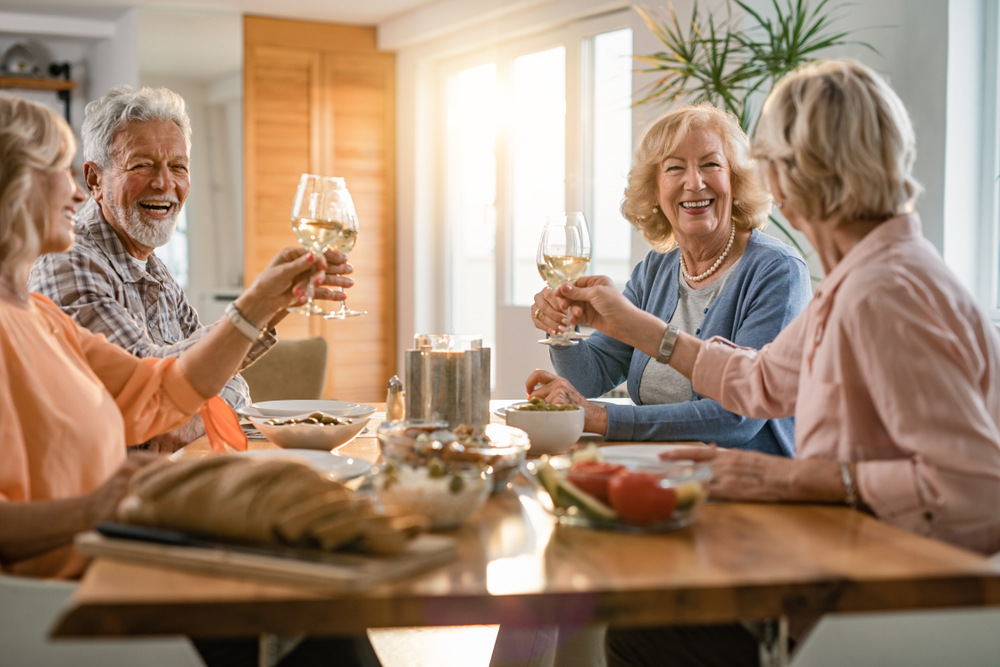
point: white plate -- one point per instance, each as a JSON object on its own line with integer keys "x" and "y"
{"x": 337, "y": 468}
{"x": 269, "y": 409}
{"x": 626, "y": 453}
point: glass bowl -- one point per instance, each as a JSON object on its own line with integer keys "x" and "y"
{"x": 417, "y": 442}
{"x": 445, "y": 495}
{"x": 672, "y": 492}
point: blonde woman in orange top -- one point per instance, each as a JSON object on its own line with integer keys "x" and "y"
{"x": 70, "y": 401}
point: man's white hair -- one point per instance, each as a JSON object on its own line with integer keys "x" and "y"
{"x": 124, "y": 104}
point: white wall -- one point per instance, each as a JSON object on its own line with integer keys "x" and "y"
{"x": 101, "y": 53}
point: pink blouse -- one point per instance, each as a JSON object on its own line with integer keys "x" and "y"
{"x": 894, "y": 366}
{"x": 69, "y": 403}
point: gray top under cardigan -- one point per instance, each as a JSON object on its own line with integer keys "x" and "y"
{"x": 771, "y": 286}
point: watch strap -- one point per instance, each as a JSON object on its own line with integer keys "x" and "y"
{"x": 667, "y": 344}
{"x": 241, "y": 323}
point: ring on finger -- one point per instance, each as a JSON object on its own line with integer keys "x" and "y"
{"x": 538, "y": 314}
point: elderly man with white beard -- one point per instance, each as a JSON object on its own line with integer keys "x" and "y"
{"x": 136, "y": 147}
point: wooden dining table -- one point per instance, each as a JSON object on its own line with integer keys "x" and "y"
{"x": 516, "y": 566}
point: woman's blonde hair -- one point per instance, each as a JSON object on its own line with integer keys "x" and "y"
{"x": 840, "y": 143}
{"x": 34, "y": 141}
{"x": 751, "y": 203}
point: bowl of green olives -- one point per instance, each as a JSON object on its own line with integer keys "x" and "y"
{"x": 315, "y": 430}
{"x": 551, "y": 428}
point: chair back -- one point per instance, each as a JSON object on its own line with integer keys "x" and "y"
{"x": 291, "y": 370}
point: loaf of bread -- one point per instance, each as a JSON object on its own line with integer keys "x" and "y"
{"x": 273, "y": 501}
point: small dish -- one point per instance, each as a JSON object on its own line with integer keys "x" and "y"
{"x": 686, "y": 478}
{"x": 445, "y": 495}
{"x": 641, "y": 453}
{"x": 417, "y": 442}
{"x": 270, "y": 409}
{"x": 550, "y": 432}
{"x": 332, "y": 466}
{"x": 314, "y": 436}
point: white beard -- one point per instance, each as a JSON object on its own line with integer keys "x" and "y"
{"x": 140, "y": 228}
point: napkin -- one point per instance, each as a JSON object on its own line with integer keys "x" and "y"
{"x": 222, "y": 426}
{"x": 246, "y": 500}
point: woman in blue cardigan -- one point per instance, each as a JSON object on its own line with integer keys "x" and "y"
{"x": 693, "y": 195}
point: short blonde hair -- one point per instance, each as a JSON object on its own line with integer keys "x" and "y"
{"x": 34, "y": 141}
{"x": 751, "y": 203}
{"x": 840, "y": 143}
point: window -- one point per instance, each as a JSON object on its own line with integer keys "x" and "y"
{"x": 531, "y": 128}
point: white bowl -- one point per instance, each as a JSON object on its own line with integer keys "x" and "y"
{"x": 314, "y": 436}
{"x": 550, "y": 431}
{"x": 272, "y": 409}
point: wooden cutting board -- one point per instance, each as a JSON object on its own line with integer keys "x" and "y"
{"x": 341, "y": 572}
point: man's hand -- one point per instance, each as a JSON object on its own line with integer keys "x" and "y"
{"x": 171, "y": 441}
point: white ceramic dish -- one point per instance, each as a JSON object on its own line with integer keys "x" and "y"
{"x": 337, "y": 468}
{"x": 502, "y": 410}
{"x": 315, "y": 436}
{"x": 624, "y": 454}
{"x": 271, "y": 409}
{"x": 550, "y": 431}
{"x": 674, "y": 474}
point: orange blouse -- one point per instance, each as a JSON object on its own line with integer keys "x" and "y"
{"x": 69, "y": 404}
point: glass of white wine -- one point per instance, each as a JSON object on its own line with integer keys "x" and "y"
{"x": 564, "y": 254}
{"x": 323, "y": 217}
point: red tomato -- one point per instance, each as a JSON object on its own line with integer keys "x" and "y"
{"x": 592, "y": 477}
{"x": 639, "y": 498}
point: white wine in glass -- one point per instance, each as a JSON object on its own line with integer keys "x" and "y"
{"x": 316, "y": 222}
{"x": 565, "y": 251}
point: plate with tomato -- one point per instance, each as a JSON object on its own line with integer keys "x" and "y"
{"x": 638, "y": 496}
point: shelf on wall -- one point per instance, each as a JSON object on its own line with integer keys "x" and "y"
{"x": 32, "y": 83}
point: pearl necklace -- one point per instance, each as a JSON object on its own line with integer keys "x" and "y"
{"x": 715, "y": 267}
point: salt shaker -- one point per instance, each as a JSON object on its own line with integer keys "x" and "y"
{"x": 395, "y": 405}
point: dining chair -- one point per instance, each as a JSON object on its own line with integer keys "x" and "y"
{"x": 291, "y": 370}
{"x": 30, "y": 607}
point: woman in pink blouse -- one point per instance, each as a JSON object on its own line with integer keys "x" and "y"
{"x": 70, "y": 401}
{"x": 892, "y": 371}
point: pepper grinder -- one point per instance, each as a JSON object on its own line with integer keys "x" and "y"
{"x": 395, "y": 405}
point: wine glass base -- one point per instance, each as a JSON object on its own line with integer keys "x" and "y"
{"x": 307, "y": 309}
{"x": 557, "y": 342}
{"x": 344, "y": 314}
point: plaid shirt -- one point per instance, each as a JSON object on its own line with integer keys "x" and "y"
{"x": 136, "y": 305}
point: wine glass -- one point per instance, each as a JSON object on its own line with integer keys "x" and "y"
{"x": 344, "y": 241}
{"x": 564, "y": 250}
{"x": 313, "y": 224}
{"x": 322, "y": 217}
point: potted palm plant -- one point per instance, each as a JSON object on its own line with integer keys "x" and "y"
{"x": 731, "y": 60}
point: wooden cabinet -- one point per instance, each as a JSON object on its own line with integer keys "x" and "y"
{"x": 319, "y": 98}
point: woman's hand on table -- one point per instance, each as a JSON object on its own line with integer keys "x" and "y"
{"x": 555, "y": 389}
{"x": 739, "y": 474}
{"x": 549, "y": 312}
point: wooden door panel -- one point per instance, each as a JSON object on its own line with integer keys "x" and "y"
{"x": 319, "y": 99}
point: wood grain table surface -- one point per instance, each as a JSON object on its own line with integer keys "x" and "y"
{"x": 516, "y": 567}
